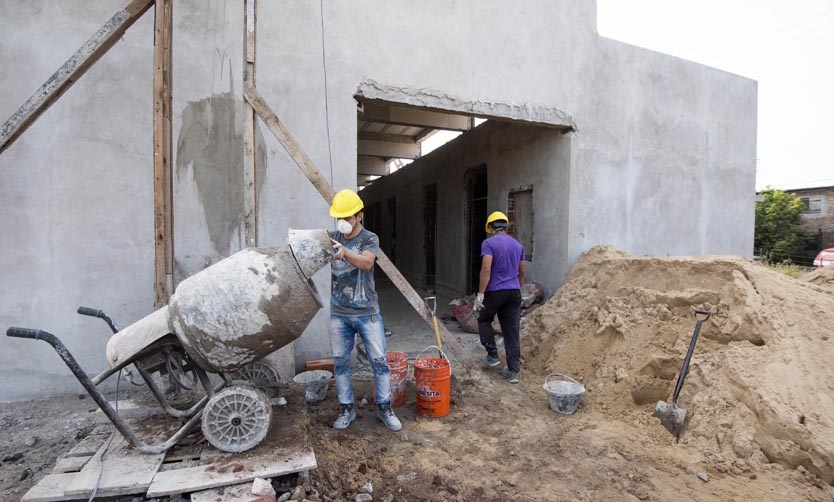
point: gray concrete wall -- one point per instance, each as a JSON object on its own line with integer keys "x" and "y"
{"x": 665, "y": 162}
{"x": 76, "y": 192}
{"x": 77, "y": 204}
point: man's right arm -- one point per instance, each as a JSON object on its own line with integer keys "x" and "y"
{"x": 486, "y": 272}
{"x": 522, "y": 271}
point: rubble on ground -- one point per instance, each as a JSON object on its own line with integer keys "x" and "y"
{"x": 532, "y": 296}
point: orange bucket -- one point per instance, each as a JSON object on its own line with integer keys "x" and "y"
{"x": 398, "y": 363}
{"x": 433, "y": 378}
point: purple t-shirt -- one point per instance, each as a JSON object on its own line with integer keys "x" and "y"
{"x": 506, "y": 254}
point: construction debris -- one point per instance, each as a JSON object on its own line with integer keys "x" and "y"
{"x": 462, "y": 308}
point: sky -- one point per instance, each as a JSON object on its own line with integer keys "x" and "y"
{"x": 785, "y": 45}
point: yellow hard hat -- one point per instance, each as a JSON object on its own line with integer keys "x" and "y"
{"x": 495, "y": 216}
{"x": 346, "y": 203}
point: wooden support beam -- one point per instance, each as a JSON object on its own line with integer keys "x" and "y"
{"x": 250, "y": 182}
{"x": 299, "y": 156}
{"x": 71, "y": 71}
{"x": 162, "y": 177}
{"x": 323, "y": 186}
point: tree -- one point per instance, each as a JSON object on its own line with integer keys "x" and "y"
{"x": 778, "y": 219}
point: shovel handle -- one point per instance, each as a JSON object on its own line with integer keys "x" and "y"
{"x": 431, "y": 304}
{"x": 700, "y": 317}
{"x": 436, "y": 332}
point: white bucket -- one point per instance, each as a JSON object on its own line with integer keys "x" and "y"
{"x": 563, "y": 396}
{"x": 315, "y": 384}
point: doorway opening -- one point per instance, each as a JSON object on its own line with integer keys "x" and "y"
{"x": 430, "y": 233}
{"x": 476, "y": 213}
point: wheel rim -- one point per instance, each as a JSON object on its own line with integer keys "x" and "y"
{"x": 236, "y": 419}
{"x": 258, "y": 373}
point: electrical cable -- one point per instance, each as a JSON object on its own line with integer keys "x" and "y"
{"x": 326, "y": 108}
{"x": 109, "y": 441}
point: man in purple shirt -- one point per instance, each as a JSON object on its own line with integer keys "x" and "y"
{"x": 501, "y": 278}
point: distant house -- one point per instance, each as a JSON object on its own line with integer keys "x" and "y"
{"x": 818, "y": 213}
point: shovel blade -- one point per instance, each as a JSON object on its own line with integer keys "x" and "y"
{"x": 670, "y": 416}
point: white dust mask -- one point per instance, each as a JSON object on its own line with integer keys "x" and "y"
{"x": 344, "y": 226}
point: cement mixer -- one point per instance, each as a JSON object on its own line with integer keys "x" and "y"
{"x": 222, "y": 320}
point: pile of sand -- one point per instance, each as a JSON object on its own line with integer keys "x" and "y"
{"x": 761, "y": 383}
{"x": 821, "y": 277}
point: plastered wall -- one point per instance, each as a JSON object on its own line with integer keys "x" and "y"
{"x": 661, "y": 160}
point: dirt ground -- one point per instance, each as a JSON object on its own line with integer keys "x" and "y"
{"x": 759, "y": 399}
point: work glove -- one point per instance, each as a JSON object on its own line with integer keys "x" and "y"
{"x": 479, "y": 302}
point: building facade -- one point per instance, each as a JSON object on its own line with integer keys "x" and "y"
{"x": 587, "y": 141}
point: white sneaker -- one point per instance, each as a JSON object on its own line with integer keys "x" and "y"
{"x": 386, "y": 415}
{"x": 345, "y": 418}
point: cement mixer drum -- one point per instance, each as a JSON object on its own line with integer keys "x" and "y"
{"x": 243, "y": 308}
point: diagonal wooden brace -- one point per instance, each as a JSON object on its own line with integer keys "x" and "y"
{"x": 71, "y": 71}
{"x": 274, "y": 124}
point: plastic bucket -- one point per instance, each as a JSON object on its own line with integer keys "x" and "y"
{"x": 433, "y": 376}
{"x": 562, "y": 395}
{"x": 315, "y": 384}
{"x": 398, "y": 364}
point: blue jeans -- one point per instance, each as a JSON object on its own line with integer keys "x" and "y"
{"x": 342, "y": 334}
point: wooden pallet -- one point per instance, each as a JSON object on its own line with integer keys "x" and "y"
{"x": 190, "y": 466}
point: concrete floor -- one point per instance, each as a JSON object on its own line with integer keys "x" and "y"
{"x": 410, "y": 334}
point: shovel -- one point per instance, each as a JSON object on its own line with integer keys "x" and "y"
{"x": 671, "y": 416}
{"x": 457, "y": 388}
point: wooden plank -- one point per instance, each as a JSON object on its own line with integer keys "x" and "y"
{"x": 125, "y": 471}
{"x": 179, "y": 453}
{"x": 284, "y": 451}
{"x": 241, "y": 469}
{"x": 303, "y": 161}
{"x": 50, "y": 488}
{"x": 162, "y": 178}
{"x": 70, "y": 464}
{"x": 250, "y": 182}
{"x": 89, "y": 445}
{"x": 236, "y": 493}
{"x": 72, "y": 70}
{"x": 282, "y": 134}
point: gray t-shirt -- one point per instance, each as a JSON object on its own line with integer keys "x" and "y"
{"x": 353, "y": 293}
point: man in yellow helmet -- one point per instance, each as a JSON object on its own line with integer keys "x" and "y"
{"x": 354, "y": 309}
{"x": 499, "y": 292}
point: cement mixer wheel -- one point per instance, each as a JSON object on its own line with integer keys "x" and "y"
{"x": 236, "y": 419}
{"x": 259, "y": 373}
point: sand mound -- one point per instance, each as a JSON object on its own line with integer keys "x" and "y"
{"x": 760, "y": 387}
{"x": 822, "y": 277}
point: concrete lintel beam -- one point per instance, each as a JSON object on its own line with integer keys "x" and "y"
{"x": 391, "y": 138}
{"x": 365, "y": 179}
{"x": 372, "y": 93}
{"x": 376, "y": 166}
{"x": 388, "y": 114}
{"x": 388, "y": 150}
